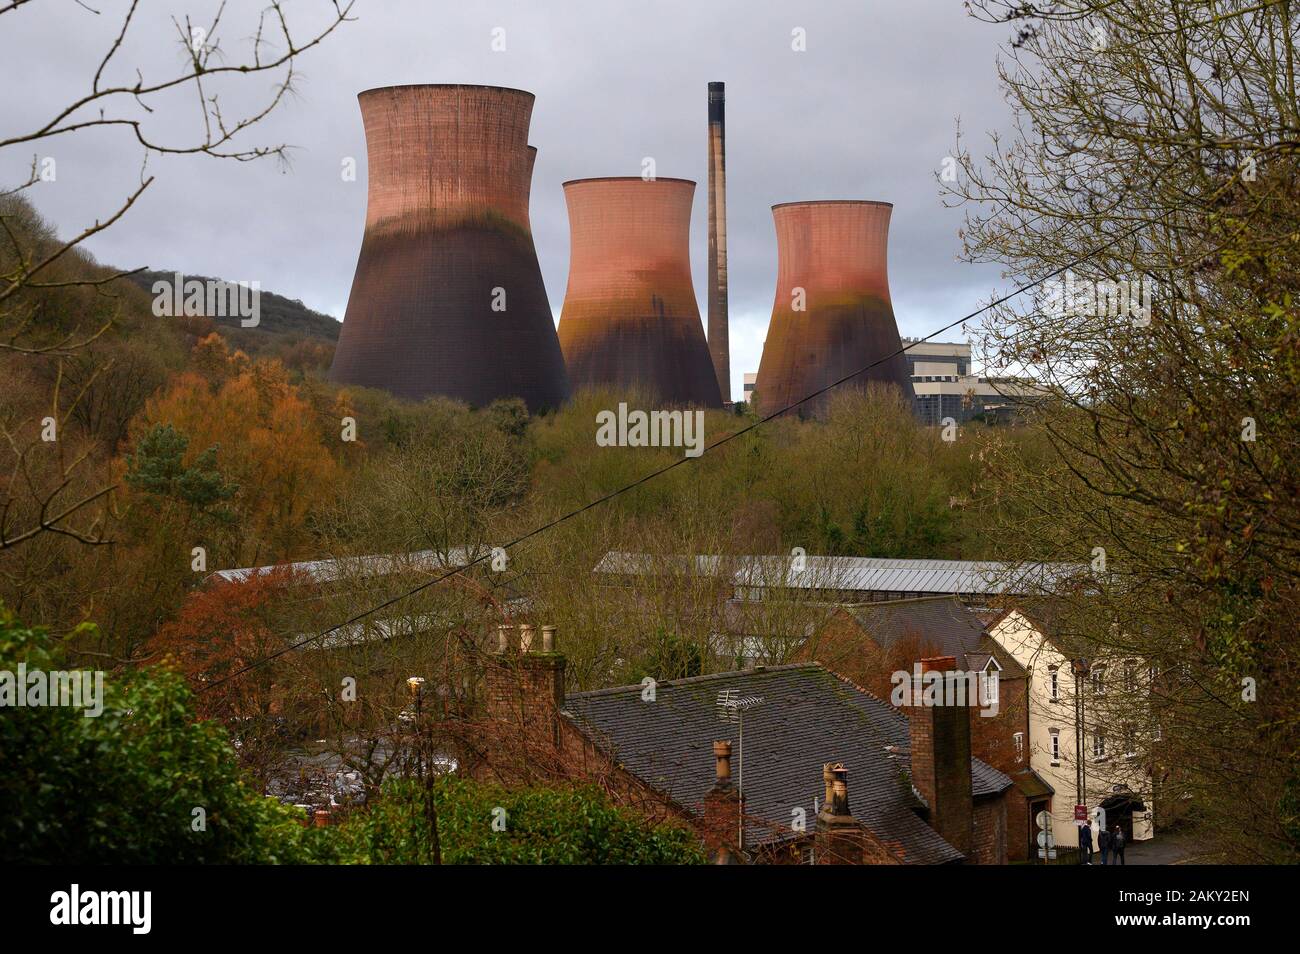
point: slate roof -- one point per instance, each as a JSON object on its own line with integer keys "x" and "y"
{"x": 985, "y": 780}
{"x": 943, "y": 622}
{"x": 808, "y": 716}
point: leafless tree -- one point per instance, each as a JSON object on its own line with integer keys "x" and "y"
{"x": 48, "y": 495}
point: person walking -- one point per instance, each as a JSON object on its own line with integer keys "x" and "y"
{"x": 1104, "y": 844}
{"x": 1117, "y": 844}
{"x": 1085, "y": 844}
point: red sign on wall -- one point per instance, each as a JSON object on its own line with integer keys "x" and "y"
{"x": 1080, "y": 812}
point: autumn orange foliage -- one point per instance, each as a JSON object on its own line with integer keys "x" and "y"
{"x": 222, "y": 628}
{"x": 270, "y": 440}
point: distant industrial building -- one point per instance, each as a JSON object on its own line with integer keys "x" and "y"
{"x": 945, "y": 387}
{"x": 844, "y": 579}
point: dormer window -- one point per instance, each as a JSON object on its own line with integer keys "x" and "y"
{"x": 990, "y": 677}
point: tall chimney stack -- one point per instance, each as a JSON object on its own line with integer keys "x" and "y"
{"x": 526, "y": 688}
{"x": 941, "y": 758}
{"x": 719, "y": 345}
{"x": 722, "y": 811}
{"x": 838, "y": 840}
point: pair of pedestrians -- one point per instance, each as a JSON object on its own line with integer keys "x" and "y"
{"x": 1111, "y": 844}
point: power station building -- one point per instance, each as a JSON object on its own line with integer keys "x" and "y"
{"x": 448, "y": 297}
{"x": 946, "y": 387}
{"x": 832, "y": 315}
{"x": 630, "y": 318}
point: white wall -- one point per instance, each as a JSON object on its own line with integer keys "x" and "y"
{"x": 1032, "y": 650}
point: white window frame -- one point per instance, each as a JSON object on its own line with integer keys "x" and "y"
{"x": 990, "y": 688}
{"x": 1099, "y": 746}
{"x": 1053, "y": 684}
{"x": 1019, "y": 739}
{"x": 1055, "y": 745}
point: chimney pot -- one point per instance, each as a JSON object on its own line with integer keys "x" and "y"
{"x": 321, "y": 818}
{"x": 839, "y": 838}
{"x": 722, "y": 754}
{"x": 840, "y": 790}
{"x": 525, "y": 637}
{"x": 548, "y": 639}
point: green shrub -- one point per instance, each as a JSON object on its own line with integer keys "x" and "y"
{"x": 541, "y": 826}
{"x": 122, "y": 787}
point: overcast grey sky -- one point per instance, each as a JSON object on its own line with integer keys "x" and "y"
{"x": 868, "y": 111}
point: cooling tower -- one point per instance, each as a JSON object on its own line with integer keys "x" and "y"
{"x": 528, "y": 181}
{"x": 832, "y": 314}
{"x": 630, "y": 316}
{"x": 448, "y": 296}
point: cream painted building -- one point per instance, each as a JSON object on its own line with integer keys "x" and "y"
{"x": 1118, "y": 784}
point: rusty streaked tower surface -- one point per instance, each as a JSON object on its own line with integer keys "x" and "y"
{"x": 719, "y": 339}
{"x": 835, "y": 252}
{"x": 447, "y": 237}
{"x": 630, "y": 316}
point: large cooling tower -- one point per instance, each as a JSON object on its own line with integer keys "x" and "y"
{"x": 630, "y": 316}
{"x": 832, "y": 314}
{"x": 448, "y": 296}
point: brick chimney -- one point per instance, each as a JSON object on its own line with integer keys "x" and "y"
{"x": 722, "y": 811}
{"x": 838, "y": 840}
{"x": 941, "y": 756}
{"x": 526, "y": 688}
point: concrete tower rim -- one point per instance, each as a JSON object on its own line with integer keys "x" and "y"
{"x": 570, "y": 182}
{"x": 402, "y": 86}
{"x": 818, "y": 202}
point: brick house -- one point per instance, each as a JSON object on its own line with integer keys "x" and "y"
{"x": 807, "y": 738}
{"x": 870, "y": 642}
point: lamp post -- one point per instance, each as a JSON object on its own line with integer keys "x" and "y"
{"x": 416, "y": 686}
{"x": 1080, "y": 668}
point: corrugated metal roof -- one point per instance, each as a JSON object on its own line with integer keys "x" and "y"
{"x": 330, "y": 571}
{"x": 863, "y": 574}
